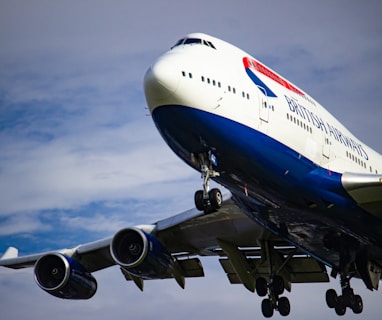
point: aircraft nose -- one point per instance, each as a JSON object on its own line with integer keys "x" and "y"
{"x": 160, "y": 82}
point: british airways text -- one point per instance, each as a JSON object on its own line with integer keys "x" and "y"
{"x": 329, "y": 129}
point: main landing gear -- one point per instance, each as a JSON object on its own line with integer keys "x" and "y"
{"x": 347, "y": 300}
{"x": 354, "y": 261}
{"x": 208, "y": 200}
{"x": 274, "y": 289}
{"x": 275, "y": 283}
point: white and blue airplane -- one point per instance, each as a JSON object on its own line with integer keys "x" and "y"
{"x": 304, "y": 193}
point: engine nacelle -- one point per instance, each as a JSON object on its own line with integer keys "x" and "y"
{"x": 141, "y": 254}
{"x": 64, "y": 277}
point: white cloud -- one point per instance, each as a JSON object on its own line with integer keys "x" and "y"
{"x": 21, "y": 223}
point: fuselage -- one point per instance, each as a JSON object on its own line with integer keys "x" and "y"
{"x": 277, "y": 149}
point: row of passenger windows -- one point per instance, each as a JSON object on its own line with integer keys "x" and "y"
{"x": 309, "y": 129}
{"x": 362, "y": 163}
{"x": 300, "y": 123}
{"x": 356, "y": 159}
{"x": 213, "y": 82}
{"x": 216, "y": 83}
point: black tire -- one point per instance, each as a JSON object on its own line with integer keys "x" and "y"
{"x": 199, "y": 200}
{"x": 331, "y": 298}
{"x": 284, "y": 306}
{"x": 216, "y": 198}
{"x": 358, "y": 304}
{"x": 278, "y": 285}
{"x": 341, "y": 306}
{"x": 348, "y": 296}
{"x": 267, "y": 308}
{"x": 261, "y": 287}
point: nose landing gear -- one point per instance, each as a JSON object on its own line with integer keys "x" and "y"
{"x": 208, "y": 200}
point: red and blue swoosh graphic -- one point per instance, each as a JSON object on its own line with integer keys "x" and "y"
{"x": 252, "y": 65}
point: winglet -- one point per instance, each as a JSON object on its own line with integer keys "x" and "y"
{"x": 11, "y": 253}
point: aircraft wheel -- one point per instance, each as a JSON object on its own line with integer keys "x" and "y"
{"x": 358, "y": 304}
{"x": 284, "y": 306}
{"x": 267, "y": 308}
{"x": 216, "y": 198}
{"x": 278, "y": 285}
{"x": 341, "y": 306}
{"x": 199, "y": 200}
{"x": 261, "y": 287}
{"x": 331, "y": 298}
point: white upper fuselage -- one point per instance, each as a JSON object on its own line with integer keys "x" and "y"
{"x": 216, "y": 79}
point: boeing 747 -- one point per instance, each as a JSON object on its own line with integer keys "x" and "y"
{"x": 304, "y": 193}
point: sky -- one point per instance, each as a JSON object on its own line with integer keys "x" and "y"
{"x": 80, "y": 157}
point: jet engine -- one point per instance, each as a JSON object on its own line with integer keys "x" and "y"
{"x": 141, "y": 254}
{"x": 64, "y": 277}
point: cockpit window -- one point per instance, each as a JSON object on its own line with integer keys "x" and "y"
{"x": 178, "y": 43}
{"x": 187, "y": 41}
{"x": 193, "y": 41}
{"x": 211, "y": 45}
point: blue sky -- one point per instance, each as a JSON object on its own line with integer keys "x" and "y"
{"x": 80, "y": 157}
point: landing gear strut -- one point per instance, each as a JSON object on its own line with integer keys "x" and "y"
{"x": 347, "y": 300}
{"x": 208, "y": 200}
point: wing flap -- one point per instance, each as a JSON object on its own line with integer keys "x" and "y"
{"x": 191, "y": 268}
{"x": 301, "y": 270}
{"x": 306, "y": 270}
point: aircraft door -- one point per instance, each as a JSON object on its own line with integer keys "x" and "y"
{"x": 326, "y": 146}
{"x": 264, "y": 106}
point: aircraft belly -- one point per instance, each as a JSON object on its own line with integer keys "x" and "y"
{"x": 287, "y": 193}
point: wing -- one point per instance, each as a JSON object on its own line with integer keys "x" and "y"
{"x": 366, "y": 190}
{"x": 170, "y": 248}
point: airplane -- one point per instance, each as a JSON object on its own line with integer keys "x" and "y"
{"x": 304, "y": 194}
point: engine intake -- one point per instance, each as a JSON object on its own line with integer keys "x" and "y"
{"x": 141, "y": 254}
{"x": 64, "y": 277}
